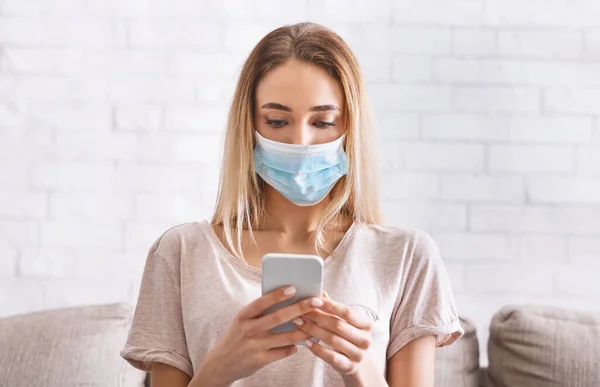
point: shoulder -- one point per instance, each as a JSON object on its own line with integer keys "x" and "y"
{"x": 175, "y": 241}
{"x": 392, "y": 236}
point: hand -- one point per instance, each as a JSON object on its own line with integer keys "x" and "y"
{"x": 346, "y": 332}
{"x": 249, "y": 345}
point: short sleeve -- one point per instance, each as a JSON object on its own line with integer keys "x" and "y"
{"x": 157, "y": 334}
{"x": 425, "y": 303}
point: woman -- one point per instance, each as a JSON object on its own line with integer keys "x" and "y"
{"x": 298, "y": 177}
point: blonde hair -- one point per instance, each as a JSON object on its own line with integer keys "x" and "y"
{"x": 355, "y": 197}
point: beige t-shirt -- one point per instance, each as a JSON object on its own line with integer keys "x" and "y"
{"x": 192, "y": 288}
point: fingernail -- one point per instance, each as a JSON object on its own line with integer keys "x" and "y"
{"x": 289, "y": 291}
{"x": 308, "y": 343}
{"x": 316, "y": 302}
{"x": 298, "y": 321}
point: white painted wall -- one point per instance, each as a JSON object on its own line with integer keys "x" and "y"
{"x": 112, "y": 115}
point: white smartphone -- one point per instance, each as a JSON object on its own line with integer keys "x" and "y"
{"x": 304, "y": 272}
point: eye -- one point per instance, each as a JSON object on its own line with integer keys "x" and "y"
{"x": 323, "y": 124}
{"x": 276, "y": 123}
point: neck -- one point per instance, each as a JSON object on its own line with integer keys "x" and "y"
{"x": 284, "y": 216}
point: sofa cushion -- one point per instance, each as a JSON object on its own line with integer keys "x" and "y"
{"x": 67, "y": 347}
{"x": 541, "y": 346}
{"x": 457, "y": 365}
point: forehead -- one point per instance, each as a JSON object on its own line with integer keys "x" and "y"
{"x": 300, "y": 86}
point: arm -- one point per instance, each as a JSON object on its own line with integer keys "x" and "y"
{"x": 413, "y": 365}
{"x": 163, "y": 375}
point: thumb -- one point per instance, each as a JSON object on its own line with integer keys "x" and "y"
{"x": 326, "y": 295}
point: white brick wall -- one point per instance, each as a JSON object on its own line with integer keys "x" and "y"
{"x": 112, "y": 116}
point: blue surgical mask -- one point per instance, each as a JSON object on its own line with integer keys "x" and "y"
{"x": 303, "y": 174}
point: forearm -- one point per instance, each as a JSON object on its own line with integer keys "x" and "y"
{"x": 367, "y": 375}
{"x": 208, "y": 376}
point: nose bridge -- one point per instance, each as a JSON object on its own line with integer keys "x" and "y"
{"x": 301, "y": 134}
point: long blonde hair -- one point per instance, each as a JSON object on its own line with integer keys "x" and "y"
{"x": 355, "y": 197}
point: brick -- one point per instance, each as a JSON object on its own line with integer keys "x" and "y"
{"x": 584, "y": 249}
{"x": 13, "y": 175}
{"x": 578, "y": 280}
{"x": 151, "y": 90}
{"x": 140, "y": 236}
{"x": 506, "y": 279}
{"x": 547, "y": 250}
{"x": 118, "y": 62}
{"x": 20, "y": 31}
{"x": 392, "y": 158}
{"x": 164, "y": 178}
{"x": 243, "y": 36}
{"x": 106, "y": 206}
{"x": 574, "y": 220}
{"x": 554, "y": 13}
{"x": 588, "y": 160}
{"x": 495, "y": 99}
{"x": 411, "y": 69}
{"x": 578, "y": 100}
{"x": 82, "y": 32}
{"x": 8, "y": 261}
{"x": 364, "y": 37}
{"x": 64, "y": 176}
{"x": 453, "y": 12}
{"x": 70, "y": 116}
{"x": 17, "y": 7}
{"x": 96, "y": 146}
{"x": 209, "y": 65}
{"x": 12, "y": 116}
{"x": 456, "y": 274}
{"x": 101, "y": 265}
{"x": 430, "y": 217}
{"x": 207, "y": 120}
{"x": 138, "y": 9}
{"x": 138, "y": 117}
{"x": 411, "y": 98}
{"x": 81, "y": 234}
{"x": 429, "y": 156}
{"x": 80, "y": 292}
{"x": 591, "y": 47}
{"x": 467, "y": 127}
{"x": 19, "y": 232}
{"x": 215, "y": 92}
{"x": 376, "y": 68}
{"x": 421, "y": 40}
{"x": 551, "y": 130}
{"x": 182, "y": 33}
{"x": 40, "y": 61}
{"x": 397, "y": 125}
{"x": 479, "y": 188}
{"x": 531, "y": 158}
{"x": 22, "y": 205}
{"x": 350, "y": 11}
{"x": 32, "y": 143}
{"x": 173, "y": 208}
{"x": 171, "y": 147}
{"x": 474, "y": 42}
{"x": 30, "y": 296}
{"x": 561, "y": 190}
{"x": 44, "y": 262}
{"x": 56, "y": 89}
{"x": 470, "y": 246}
{"x": 404, "y": 185}
{"x": 540, "y": 43}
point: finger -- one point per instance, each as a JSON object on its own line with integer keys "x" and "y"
{"x": 288, "y": 313}
{"x": 279, "y": 340}
{"x": 337, "y": 360}
{"x": 326, "y": 295}
{"x": 347, "y": 313}
{"x": 358, "y": 337}
{"x": 258, "y": 306}
{"x": 336, "y": 342}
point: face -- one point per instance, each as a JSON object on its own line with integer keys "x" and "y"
{"x": 299, "y": 103}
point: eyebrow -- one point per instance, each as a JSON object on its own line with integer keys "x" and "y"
{"x": 319, "y": 108}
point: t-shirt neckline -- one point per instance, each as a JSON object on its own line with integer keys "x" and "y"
{"x": 243, "y": 266}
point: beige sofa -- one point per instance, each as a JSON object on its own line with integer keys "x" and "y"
{"x": 529, "y": 346}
